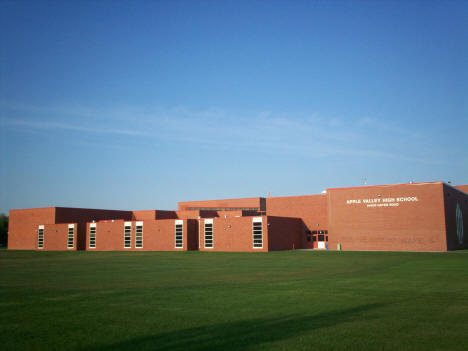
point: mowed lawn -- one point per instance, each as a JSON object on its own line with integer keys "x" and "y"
{"x": 292, "y": 300}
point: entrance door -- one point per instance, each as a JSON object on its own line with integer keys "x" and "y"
{"x": 320, "y": 239}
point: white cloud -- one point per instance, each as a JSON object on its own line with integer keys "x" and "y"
{"x": 64, "y": 126}
{"x": 311, "y": 136}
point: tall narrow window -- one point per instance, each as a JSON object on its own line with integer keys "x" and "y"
{"x": 139, "y": 235}
{"x": 71, "y": 236}
{"x": 92, "y": 236}
{"x": 257, "y": 233}
{"x": 127, "y": 235}
{"x": 179, "y": 233}
{"x": 40, "y": 237}
{"x": 208, "y": 233}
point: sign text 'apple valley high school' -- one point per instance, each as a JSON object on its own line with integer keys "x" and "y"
{"x": 382, "y": 202}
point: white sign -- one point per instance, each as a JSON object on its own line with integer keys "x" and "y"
{"x": 382, "y": 201}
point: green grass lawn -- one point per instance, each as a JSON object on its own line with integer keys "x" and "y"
{"x": 292, "y": 300}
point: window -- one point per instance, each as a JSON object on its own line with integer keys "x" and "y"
{"x": 257, "y": 232}
{"x": 71, "y": 236}
{"x": 321, "y": 237}
{"x": 179, "y": 233}
{"x": 208, "y": 233}
{"x": 92, "y": 236}
{"x": 308, "y": 238}
{"x": 40, "y": 237}
{"x": 139, "y": 235}
{"x": 128, "y": 235}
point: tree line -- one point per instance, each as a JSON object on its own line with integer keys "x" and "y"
{"x": 3, "y": 230}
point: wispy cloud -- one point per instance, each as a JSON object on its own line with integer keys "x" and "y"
{"x": 309, "y": 135}
{"x": 47, "y": 125}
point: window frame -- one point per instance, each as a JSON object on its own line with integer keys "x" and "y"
{"x": 139, "y": 235}
{"x": 208, "y": 222}
{"x": 129, "y": 240}
{"x": 179, "y": 231}
{"x": 92, "y": 226}
{"x": 40, "y": 236}
{"x": 255, "y": 228}
{"x": 72, "y": 227}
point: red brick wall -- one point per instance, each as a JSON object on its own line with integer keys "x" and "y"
{"x": 194, "y": 214}
{"x": 81, "y": 236}
{"x": 233, "y": 234}
{"x": 208, "y": 214}
{"x": 158, "y": 235}
{"x": 453, "y": 198}
{"x": 237, "y": 213}
{"x": 284, "y": 233}
{"x": 463, "y": 188}
{"x": 22, "y": 226}
{"x": 56, "y": 237}
{"x": 192, "y": 234}
{"x": 187, "y": 214}
{"x": 161, "y": 214}
{"x": 142, "y": 215}
{"x": 245, "y": 202}
{"x": 410, "y": 226}
{"x": 71, "y": 215}
{"x": 153, "y": 214}
{"x": 252, "y": 213}
{"x": 23, "y": 223}
{"x": 109, "y": 236}
{"x": 312, "y": 209}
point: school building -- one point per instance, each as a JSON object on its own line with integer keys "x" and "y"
{"x": 430, "y": 216}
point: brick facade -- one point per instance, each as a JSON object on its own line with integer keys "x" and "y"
{"x": 402, "y": 217}
{"x": 405, "y": 217}
{"x": 158, "y": 235}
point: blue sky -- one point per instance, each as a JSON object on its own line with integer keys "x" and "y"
{"x": 138, "y": 105}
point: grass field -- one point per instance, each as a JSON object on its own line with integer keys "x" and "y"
{"x": 293, "y": 300}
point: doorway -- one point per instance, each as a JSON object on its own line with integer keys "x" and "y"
{"x": 318, "y": 239}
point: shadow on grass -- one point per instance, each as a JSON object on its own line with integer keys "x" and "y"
{"x": 240, "y": 335}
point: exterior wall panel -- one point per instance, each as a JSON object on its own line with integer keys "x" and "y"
{"x": 457, "y": 228}
{"x": 109, "y": 236}
{"x": 69, "y": 215}
{"x": 381, "y": 224}
{"x": 158, "y": 235}
{"x": 253, "y": 202}
{"x": 22, "y": 226}
{"x": 153, "y": 214}
{"x": 56, "y": 237}
{"x": 143, "y": 215}
{"x": 160, "y": 214}
{"x": 233, "y": 234}
{"x": 312, "y": 209}
{"x": 192, "y": 234}
{"x": 284, "y": 233}
{"x": 463, "y": 188}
